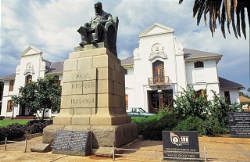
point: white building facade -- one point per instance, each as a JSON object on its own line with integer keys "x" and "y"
{"x": 32, "y": 66}
{"x": 159, "y": 69}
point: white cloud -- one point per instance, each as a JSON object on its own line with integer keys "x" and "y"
{"x": 123, "y": 54}
{"x": 51, "y": 27}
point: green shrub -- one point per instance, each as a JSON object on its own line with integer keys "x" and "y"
{"x": 191, "y": 124}
{"x": 190, "y": 113}
{"x": 213, "y": 127}
{"x": 210, "y": 127}
{"x": 16, "y": 130}
{"x": 219, "y": 109}
{"x": 187, "y": 103}
{"x": 36, "y": 126}
{"x": 152, "y": 127}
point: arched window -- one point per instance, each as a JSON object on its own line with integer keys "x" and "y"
{"x": 9, "y": 106}
{"x": 158, "y": 72}
{"x": 28, "y": 79}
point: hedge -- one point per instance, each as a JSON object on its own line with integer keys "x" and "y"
{"x": 16, "y": 130}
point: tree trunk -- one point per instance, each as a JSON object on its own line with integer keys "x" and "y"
{"x": 43, "y": 113}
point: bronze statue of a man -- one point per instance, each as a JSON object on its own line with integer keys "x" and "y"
{"x": 103, "y": 28}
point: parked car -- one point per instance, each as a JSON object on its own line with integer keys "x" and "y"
{"x": 138, "y": 112}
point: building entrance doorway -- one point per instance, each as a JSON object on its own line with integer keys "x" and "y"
{"x": 159, "y": 100}
{"x": 22, "y": 110}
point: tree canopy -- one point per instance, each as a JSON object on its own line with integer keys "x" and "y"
{"x": 225, "y": 11}
{"x": 40, "y": 96}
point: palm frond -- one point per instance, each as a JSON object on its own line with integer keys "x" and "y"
{"x": 200, "y": 11}
{"x": 243, "y": 24}
{"x": 238, "y": 20}
{"x": 223, "y": 20}
{"x": 180, "y": 1}
{"x": 196, "y": 7}
{"x": 248, "y": 12}
{"x": 205, "y": 14}
{"x": 232, "y": 16}
{"x": 234, "y": 2}
{"x": 224, "y": 11}
{"x": 227, "y": 4}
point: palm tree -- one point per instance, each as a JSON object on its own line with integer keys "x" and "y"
{"x": 224, "y": 11}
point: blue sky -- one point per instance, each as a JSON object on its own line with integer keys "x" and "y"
{"x": 50, "y": 25}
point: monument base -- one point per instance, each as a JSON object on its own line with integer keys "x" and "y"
{"x": 102, "y": 136}
{"x": 93, "y": 99}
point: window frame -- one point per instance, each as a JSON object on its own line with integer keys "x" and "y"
{"x": 9, "y": 106}
{"x": 227, "y": 97}
{"x": 28, "y": 79}
{"x": 158, "y": 72}
{"x": 198, "y": 64}
{"x": 11, "y": 85}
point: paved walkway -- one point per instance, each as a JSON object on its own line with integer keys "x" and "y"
{"x": 230, "y": 150}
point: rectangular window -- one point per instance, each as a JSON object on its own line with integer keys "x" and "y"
{"x": 227, "y": 97}
{"x": 9, "y": 106}
{"x": 11, "y": 86}
{"x": 125, "y": 71}
{"x": 198, "y": 64}
{"x": 59, "y": 82}
{"x": 200, "y": 92}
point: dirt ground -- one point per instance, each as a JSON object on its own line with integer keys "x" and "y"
{"x": 218, "y": 149}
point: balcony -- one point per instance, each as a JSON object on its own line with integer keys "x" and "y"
{"x": 158, "y": 81}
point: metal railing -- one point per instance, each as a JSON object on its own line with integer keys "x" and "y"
{"x": 203, "y": 155}
{"x": 6, "y": 141}
{"x": 157, "y": 81}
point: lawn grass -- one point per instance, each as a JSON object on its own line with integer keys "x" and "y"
{"x": 4, "y": 123}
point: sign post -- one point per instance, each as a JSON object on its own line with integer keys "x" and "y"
{"x": 239, "y": 124}
{"x": 72, "y": 143}
{"x": 180, "y": 145}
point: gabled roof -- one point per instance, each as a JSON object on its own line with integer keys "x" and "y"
{"x": 9, "y": 77}
{"x": 30, "y": 51}
{"x": 128, "y": 61}
{"x": 227, "y": 84}
{"x": 156, "y": 29}
{"x": 244, "y": 100}
{"x": 51, "y": 67}
{"x": 190, "y": 54}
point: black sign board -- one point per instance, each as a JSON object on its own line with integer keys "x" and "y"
{"x": 239, "y": 124}
{"x": 72, "y": 143}
{"x": 180, "y": 145}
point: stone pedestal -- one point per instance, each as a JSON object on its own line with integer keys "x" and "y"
{"x": 93, "y": 98}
